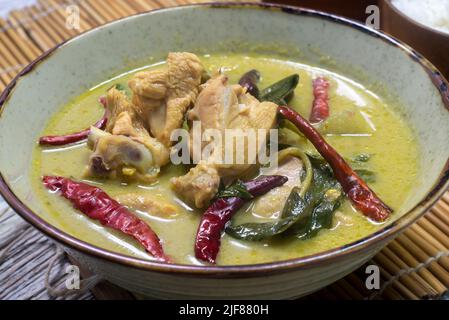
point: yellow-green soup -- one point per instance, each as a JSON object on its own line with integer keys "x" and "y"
{"x": 361, "y": 122}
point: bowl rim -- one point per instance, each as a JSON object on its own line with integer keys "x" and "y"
{"x": 250, "y": 270}
{"x": 413, "y": 21}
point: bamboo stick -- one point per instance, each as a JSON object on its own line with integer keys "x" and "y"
{"x": 60, "y": 18}
{"x": 117, "y": 11}
{"x": 5, "y": 71}
{"x": 57, "y": 18}
{"x": 444, "y": 204}
{"x": 49, "y": 20}
{"x": 122, "y": 7}
{"x": 437, "y": 222}
{"x": 430, "y": 233}
{"x": 391, "y": 292}
{"x": 41, "y": 39}
{"x": 436, "y": 269}
{"x": 17, "y": 33}
{"x": 339, "y": 292}
{"x": 408, "y": 280}
{"x": 350, "y": 290}
{"x": 441, "y": 211}
{"x": 43, "y": 22}
{"x": 28, "y": 49}
{"x": 430, "y": 291}
{"x": 104, "y": 12}
{"x": 423, "y": 240}
{"x": 403, "y": 289}
{"x": 358, "y": 283}
{"x": 136, "y": 5}
{"x": 411, "y": 262}
{"x": 86, "y": 21}
{"x": 147, "y": 5}
{"x": 164, "y": 3}
{"x": 106, "y": 6}
{"x": 446, "y": 197}
{"x": 2, "y": 84}
{"x": 11, "y": 47}
{"x": 435, "y": 232}
{"x": 89, "y": 10}
{"x": 9, "y": 63}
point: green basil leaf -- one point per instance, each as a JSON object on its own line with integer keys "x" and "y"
{"x": 294, "y": 208}
{"x": 321, "y": 218}
{"x": 319, "y": 197}
{"x": 237, "y": 189}
{"x": 281, "y": 91}
{"x": 302, "y": 217}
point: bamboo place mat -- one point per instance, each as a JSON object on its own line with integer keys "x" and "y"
{"x": 414, "y": 266}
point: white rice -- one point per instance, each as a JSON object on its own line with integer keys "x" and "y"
{"x": 432, "y": 13}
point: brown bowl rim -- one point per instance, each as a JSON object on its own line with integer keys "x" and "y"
{"x": 251, "y": 270}
{"x": 392, "y": 7}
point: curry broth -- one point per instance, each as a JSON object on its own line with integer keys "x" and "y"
{"x": 375, "y": 129}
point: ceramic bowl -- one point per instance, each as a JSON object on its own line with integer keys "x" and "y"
{"x": 73, "y": 67}
{"x": 432, "y": 43}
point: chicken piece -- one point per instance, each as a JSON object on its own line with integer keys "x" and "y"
{"x": 118, "y": 155}
{"x": 165, "y": 96}
{"x": 160, "y": 100}
{"x": 133, "y": 128}
{"x": 125, "y": 148}
{"x": 199, "y": 185}
{"x": 150, "y": 89}
{"x": 150, "y": 84}
{"x": 123, "y": 116}
{"x": 221, "y": 106}
{"x": 184, "y": 77}
{"x": 155, "y": 205}
{"x": 270, "y": 205}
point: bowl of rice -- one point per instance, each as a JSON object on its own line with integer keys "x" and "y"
{"x": 423, "y": 24}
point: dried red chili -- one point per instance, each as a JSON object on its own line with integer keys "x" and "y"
{"x": 97, "y": 205}
{"x": 77, "y": 136}
{"x": 320, "y": 107}
{"x": 363, "y": 198}
{"x": 214, "y": 219}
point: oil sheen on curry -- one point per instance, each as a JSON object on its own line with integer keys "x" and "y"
{"x": 333, "y": 161}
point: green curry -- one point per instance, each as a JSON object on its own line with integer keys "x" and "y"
{"x": 361, "y": 127}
